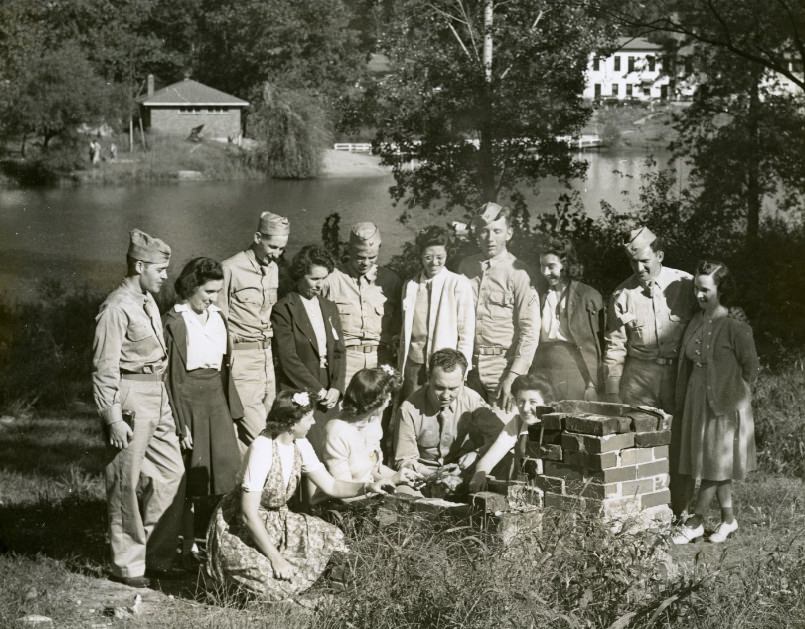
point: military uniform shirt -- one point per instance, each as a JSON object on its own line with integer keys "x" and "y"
{"x": 128, "y": 339}
{"x": 647, "y": 323}
{"x": 248, "y": 294}
{"x": 368, "y": 308}
{"x": 507, "y": 311}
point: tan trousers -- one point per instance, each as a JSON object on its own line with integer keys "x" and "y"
{"x": 486, "y": 374}
{"x": 150, "y": 465}
{"x": 253, "y": 374}
{"x": 355, "y": 361}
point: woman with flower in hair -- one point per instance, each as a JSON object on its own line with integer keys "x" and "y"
{"x": 352, "y": 442}
{"x": 718, "y": 364}
{"x": 254, "y": 541}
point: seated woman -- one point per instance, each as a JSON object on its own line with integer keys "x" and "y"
{"x": 438, "y": 311}
{"x": 530, "y": 394}
{"x": 352, "y": 440}
{"x": 201, "y": 394}
{"x": 308, "y": 343}
{"x": 569, "y": 354}
{"x": 254, "y": 541}
{"x": 718, "y": 364}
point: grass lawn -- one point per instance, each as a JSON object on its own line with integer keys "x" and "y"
{"x": 53, "y": 556}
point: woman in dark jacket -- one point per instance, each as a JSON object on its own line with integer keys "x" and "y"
{"x": 568, "y": 356}
{"x": 308, "y": 343}
{"x": 201, "y": 394}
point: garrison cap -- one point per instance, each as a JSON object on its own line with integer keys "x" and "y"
{"x": 273, "y": 224}
{"x": 489, "y": 213}
{"x": 364, "y": 235}
{"x": 638, "y": 239}
{"x": 147, "y": 248}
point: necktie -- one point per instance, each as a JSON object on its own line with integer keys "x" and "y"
{"x": 445, "y": 417}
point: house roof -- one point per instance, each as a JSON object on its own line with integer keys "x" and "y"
{"x": 636, "y": 43}
{"x": 190, "y": 92}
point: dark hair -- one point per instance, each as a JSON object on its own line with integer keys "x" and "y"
{"x": 566, "y": 252}
{"x": 368, "y": 391}
{"x": 432, "y": 236}
{"x": 532, "y": 382}
{"x": 657, "y": 245}
{"x": 308, "y": 257}
{"x": 196, "y": 273}
{"x": 722, "y": 278}
{"x": 448, "y": 359}
{"x": 285, "y": 412}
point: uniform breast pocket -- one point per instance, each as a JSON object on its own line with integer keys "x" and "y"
{"x": 249, "y": 296}
{"x": 501, "y": 303}
{"x": 138, "y": 332}
{"x": 636, "y": 330}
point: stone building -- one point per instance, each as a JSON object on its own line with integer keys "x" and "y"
{"x": 183, "y": 106}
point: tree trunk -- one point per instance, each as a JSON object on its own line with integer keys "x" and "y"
{"x": 754, "y": 194}
{"x": 486, "y": 163}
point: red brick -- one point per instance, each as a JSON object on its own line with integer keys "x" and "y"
{"x": 562, "y": 471}
{"x": 551, "y": 452}
{"x": 615, "y": 474}
{"x": 522, "y": 493}
{"x": 553, "y": 421}
{"x": 660, "y": 452}
{"x": 652, "y": 469}
{"x": 633, "y": 456}
{"x": 574, "y": 442}
{"x": 592, "y": 461}
{"x": 552, "y": 436}
{"x": 490, "y": 502}
{"x": 499, "y": 486}
{"x": 644, "y": 422}
{"x": 591, "y": 490}
{"x": 565, "y": 503}
{"x": 551, "y": 484}
{"x": 575, "y": 407}
{"x": 662, "y": 481}
{"x": 637, "y": 487}
{"x": 649, "y": 439}
{"x": 657, "y": 498}
{"x": 596, "y": 424}
{"x": 619, "y": 507}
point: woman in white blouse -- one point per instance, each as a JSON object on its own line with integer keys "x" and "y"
{"x": 201, "y": 394}
{"x": 254, "y": 541}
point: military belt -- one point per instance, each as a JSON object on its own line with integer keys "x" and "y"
{"x": 148, "y": 377}
{"x": 251, "y": 344}
{"x": 489, "y": 351}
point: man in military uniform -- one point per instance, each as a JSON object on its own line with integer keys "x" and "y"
{"x": 251, "y": 281}
{"x": 647, "y": 316}
{"x": 507, "y": 319}
{"x": 368, "y": 300}
{"x": 129, "y": 359}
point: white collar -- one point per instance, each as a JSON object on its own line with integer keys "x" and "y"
{"x": 185, "y": 307}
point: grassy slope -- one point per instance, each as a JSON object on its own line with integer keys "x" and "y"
{"x": 412, "y": 573}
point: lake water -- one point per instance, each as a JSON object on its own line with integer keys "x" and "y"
{"x": 79, "y": 235}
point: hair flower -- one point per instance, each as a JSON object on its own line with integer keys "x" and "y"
{"x": 389, "y": 370}
{"x": 301, "y": 398}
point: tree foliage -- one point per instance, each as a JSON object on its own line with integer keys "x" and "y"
{"x": 478, "y": 130}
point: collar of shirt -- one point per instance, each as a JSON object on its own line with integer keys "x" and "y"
{"x": 259, "y": 265}
{"x": 432, "y": 404}
{"x": 184, "y": 307}
{"x": 140, "y": 296}
{"x": 422, "y": 279}
{"x": 308, "y": 300}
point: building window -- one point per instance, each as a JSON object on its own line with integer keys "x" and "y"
{"x": 617, "y": 63}
{"x": 616, "y": 89}
{"x": 631, "y": 64}
{"x": 596, "y": 64}
{"x": 651, "y": 62}
{"x": 597, "y": 90}
{"x": 189, "y": 110}
{"x": 628, "y": 90}
{"x": 646, "y": 91}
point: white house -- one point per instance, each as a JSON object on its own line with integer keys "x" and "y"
{"x": 633, "y": 72}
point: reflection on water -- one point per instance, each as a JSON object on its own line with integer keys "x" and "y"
{"x": 80, "y": 234}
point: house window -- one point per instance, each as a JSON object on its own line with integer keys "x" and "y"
{"x": 616, "y": 89}
{"x": 598, "y": 90}
{"x": 596, "y": 64}
{"x": 631, "y": 64}
{"x": 189, "y": 110}
{"x": 646, "y": 91}
{"x": 628, "y": 90}
{"x": 651, "y": 61}
{"x": 617, "y": 63}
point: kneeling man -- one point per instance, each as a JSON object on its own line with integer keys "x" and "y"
{"x": 444, "y": 421}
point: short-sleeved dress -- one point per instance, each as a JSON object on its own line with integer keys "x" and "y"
{"x": 305, "y": 542}
{"x": 717, "y": 438}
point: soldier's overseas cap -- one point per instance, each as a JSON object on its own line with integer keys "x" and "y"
{"x": 364, "y": 235}
{"x": 489, "y": 213}
{"x": 147, "y": 248}
{"x": 638, "y": 239}
{"x": 274, "y": 225}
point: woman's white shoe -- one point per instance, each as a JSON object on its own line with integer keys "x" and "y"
{"x": 686, "y": 535}
{"x": 724, "y": 530}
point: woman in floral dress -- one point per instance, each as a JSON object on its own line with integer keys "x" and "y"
{"x": 254, "y": 541}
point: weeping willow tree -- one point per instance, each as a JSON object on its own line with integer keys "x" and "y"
{"x": 292, "y": 129}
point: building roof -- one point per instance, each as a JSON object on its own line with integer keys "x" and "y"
{"x": 636, "y": 43}
{"x": 190, "y": 92}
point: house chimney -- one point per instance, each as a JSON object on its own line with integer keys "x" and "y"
{"x": 150, "y": 84}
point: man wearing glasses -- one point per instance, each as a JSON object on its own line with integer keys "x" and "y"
{"x": 251, "y": 280}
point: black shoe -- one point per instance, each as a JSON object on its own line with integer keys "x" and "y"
{"x": 134, "y": 582}
{"x": 167, "y": 573}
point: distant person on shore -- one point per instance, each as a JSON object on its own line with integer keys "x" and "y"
{"x": 368, "y": 300}
{"x": 647, "y": 316}
{"x": 202, "y": 395}
{"x": 569, "y": 354}
{"x": 255, "y": 542}
{"x": 251, "y": 282}
{"x": 438, "y": 311}
{"x": 717, "y": 369}
{"x": 507, "y": 319}
{"x": 129, "y": 360}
